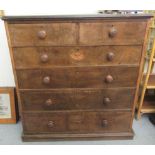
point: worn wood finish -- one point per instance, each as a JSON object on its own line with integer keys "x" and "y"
{"x": 78, "y": 136}
{"x": 72, "y": 65}
{"x": 77, "y": 17}
{"x": 14, "y": 71}
{"x": 30, "y": 57}
{"x": 99, "y": 33}
{"x": 75, "y": 77}
{"x": 77, "y": 99}
{"x": 75, "y": 122}
{"x": 54, "y": 34}
{"x": 66, "y": 33}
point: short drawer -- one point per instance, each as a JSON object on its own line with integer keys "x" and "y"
{"x": 44, "y": 34}
{"x": 33, "y": 57}
{"x": 77, "y": 122}
{"x": 78, "y": 77}
{"x": 112, "y": 33}
{"x": 77, "y": 99}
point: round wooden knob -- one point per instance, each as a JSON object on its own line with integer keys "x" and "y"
{"x": 110, "y": 56}
{"x": 109, "y": 79}
{"x": 106, "y": 100}
{"x": 50, "y": 124}
{"x": 112, "y": 32}
{"x": 48, "y": 102}
{"x": 44, "y": 58}
{"x": 104, "y": 123}
{"x": 42, "y": 34}
{"x": 46, "y": 80}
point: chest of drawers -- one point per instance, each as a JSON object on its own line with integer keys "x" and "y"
{"x": 77, "y": 76}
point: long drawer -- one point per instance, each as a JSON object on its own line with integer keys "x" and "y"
{"x": 77, "y": 122}
{"x": 78, "y": 77}
{"x": 35, "y": 57}
{"x": 77, "y": 99}
{"x": 84, "y": 33}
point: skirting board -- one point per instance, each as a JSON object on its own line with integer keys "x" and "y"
{"x": 88, "y": 136}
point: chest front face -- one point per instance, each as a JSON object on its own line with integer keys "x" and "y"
{"x": 77, "y": 77}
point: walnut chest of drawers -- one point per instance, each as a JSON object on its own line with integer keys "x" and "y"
{"x": 77, "y": 76}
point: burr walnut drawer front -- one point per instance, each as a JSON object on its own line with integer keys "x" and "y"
{"x": 30, "y": 57}
{"x": 43, "y": 34}
{"x": 112, "y": 33}
{"x": 77, "y": 122}
{"x": 77, "y": 99}
{"x": 78, "y": 77}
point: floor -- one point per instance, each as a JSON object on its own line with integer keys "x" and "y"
{"x": 144, "y": 134}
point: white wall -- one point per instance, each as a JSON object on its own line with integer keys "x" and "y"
{"x": 52, "y": 7}
{"x": 6, "y": 74}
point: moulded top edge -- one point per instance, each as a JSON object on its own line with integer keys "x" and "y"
{"x": 75, "y": 17}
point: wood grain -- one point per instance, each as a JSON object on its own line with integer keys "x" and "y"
{"x": 66, "y": 69}
{"x": 77, "y": 122}
{"x": 128, "y": 33}
{"x": 54, "y": 18}
{"x": 57, "y": 34}
{"x": 30, "y": 57}
{"x": 77, "y": 99}
{"x": 77, "y": 77}
{"x": 98, "y": 33}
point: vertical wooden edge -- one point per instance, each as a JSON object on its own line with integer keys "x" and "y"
{"x": 140, "y": 69}
{"x": 13, "y": 66}
{"x": 12, "y": 101}
{"x": 77, "y": 33}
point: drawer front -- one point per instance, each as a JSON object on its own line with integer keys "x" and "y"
{"x": 77, "y": 99}
{"x": 43, "y": 34}
{"x": 112, "y": 33}
{"x": 104, "y": 33}
{"x": 76, "y": 122}
{"x": 78, "y": 77}
{"x": 30, "y": 57}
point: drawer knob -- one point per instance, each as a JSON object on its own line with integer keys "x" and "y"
{"x": 112, "y": 32}
{"x": 110, "y": 56}
{"x": 107, "y": 100}
{"x": 48, "y": 102}
{"x": 46, "y": 80}
{"x": 104, "y": 123}
{"x": 109, "y": 79}
{"x": 44, "y": 58}
{"x": 50, "y": 124}
{"x": 42, "y": 34}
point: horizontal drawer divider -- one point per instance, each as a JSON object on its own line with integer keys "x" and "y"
{"x": 70, "y": 111}
{"x": 126, "y": 44}
{"x": 75, "y": 89}
{"x": 78, "y": 45}
{"x": 93, "y": 66}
